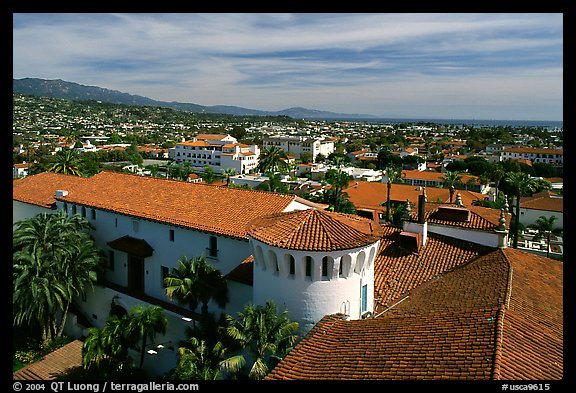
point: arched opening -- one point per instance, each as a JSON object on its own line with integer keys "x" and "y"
{"x": 345, "y": 266}
{"x": 272, "y": 262}
{"x": 371, "y": 256}
{"x": 290, "y": 265}
{"x": 260, "y": 258}
{"x": 308, "y": 265}
{"x": 327, "y": 267}
{"x": 360, "y": 259}
{"x": 117, "y": 310}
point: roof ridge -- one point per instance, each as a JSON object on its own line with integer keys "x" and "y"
{"x": 499, "y": 325}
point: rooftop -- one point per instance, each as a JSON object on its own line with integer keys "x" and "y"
{"x": 494, "y": 316}
{"x": 315, "y": 230}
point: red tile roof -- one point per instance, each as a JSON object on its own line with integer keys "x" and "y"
{"x": 373, "y": 195}
{"x": 316, "y": 230}
{"x": 40, "y": 189}
{"x": 53, "y": 365}
{"x": 243, "y": 272}
{"x": 398, "y": 271}
{"x": 219, "y": 210}
{"x": 496, "y": 316}
{"x": 544, "y": 200}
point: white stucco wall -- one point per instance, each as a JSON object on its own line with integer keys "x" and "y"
{"x": 530, "y": 216}
{"x": 308, "y": 299}
{"x": 489, "y": 239}
{"x": 190, "y": 243}
{"x": 21, "y": 210}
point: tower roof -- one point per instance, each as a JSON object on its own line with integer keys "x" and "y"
{"x": 315, "y": 230}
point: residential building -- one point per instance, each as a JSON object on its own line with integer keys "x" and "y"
{"x": 447, "y": 308}
{"x": 218, "y": 151}
{"x": 371, "y": 197}
{"x": 21, "y": 169}
{"x": 436, "y": 179}
{"x": 546, "y": 156}
{"x": 440, "y": 298}
{"x": 545, "y": 203}
{"x": 300, "y": 144}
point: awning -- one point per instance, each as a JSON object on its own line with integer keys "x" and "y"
{"x": 131, "y": 245}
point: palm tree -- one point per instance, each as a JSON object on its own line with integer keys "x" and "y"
{"x": 265, "y": 336}
{"x": 339, "y": 180}
{"x": 271, "y": 160}
{"x": 199, "y": 360}
{"x": 195, "y": 281}
{"x": 546, "y": 229}
{"x": 228, "y": 172}
{"x": 54, "y": 259}
{"x": 522, "y": 184}
{"x": 452, "y": 178}
{"x": 394, "y": 174}
{"x": 145, "y": 323}
{"x": 67, "y": 162}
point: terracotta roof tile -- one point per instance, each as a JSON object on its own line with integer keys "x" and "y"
{"x": 219, "y": 210}
{"x": 243, "y": 272}
{"x": 543, "y": 201}
{"x": 53, "y": 365}
{"x": 448, "y": 328}
{"x": 316, "y": 230}
{"x": 398, "y": 271}
{"x": 41, "y": 189}
{"x": 533, "y": 323}
{"x": 373, "y": 195}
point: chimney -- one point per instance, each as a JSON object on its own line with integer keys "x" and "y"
{"x": 420, "y": 228}
{"x": 61, "y": 193}
{"x": 421, "y": 208}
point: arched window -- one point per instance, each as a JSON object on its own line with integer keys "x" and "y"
{"x": 308, "y": 263}
{"x": 360, "y": 259}
{"x": 345, "y": 265}
{"x": 371, "y": 257}
{"x": 290, "y": 265}
{"x": 272, "y": 262}
{"x": 260, "y": 258}
{"x": 327, "y": 267}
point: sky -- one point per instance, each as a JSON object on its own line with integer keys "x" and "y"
{"x": 504, "y": 66}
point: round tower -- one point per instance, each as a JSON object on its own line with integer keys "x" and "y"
{"x": 314, "y": 262}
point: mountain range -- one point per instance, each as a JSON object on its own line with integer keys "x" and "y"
{"x": 57, "y": 88}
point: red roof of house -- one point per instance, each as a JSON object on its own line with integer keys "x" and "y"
{"x": 54, "y": 365}
{"x": 315, "y": 230}
{"x": 494, "y": 315}
{"x": 40, "y": 189}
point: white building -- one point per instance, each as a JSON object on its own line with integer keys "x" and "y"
{"x": 547, "y": 156}
{"x": 300, "y": 144}
{"x": 326, "y": 258}
{"x": 218, "y": 151}
{"x": 145, "y": 225}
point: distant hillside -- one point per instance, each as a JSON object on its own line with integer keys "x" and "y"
{"x": 73, "y": 91}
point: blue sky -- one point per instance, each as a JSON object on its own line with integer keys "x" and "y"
{"x": 463, "y": 66}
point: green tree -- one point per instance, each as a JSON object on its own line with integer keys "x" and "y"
{"x": 394, "y": 174}
{"x": 145, "y": 322}
{"x": 546, "y": 229}
{"x": 521, "y": 183}
{"x": 452, "y": 178}
{"x": 229, "y": 172}
{"x": 209, "y": 175}
{"x": 272, "y": 160}
{"x": 54, "y": 259}
{"x": 195, "y": 281}
{"x": 67, "y": 162}
{"x": 265, "y": 336}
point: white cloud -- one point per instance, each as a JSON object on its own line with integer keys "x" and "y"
{"x": 341, "y": 62}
